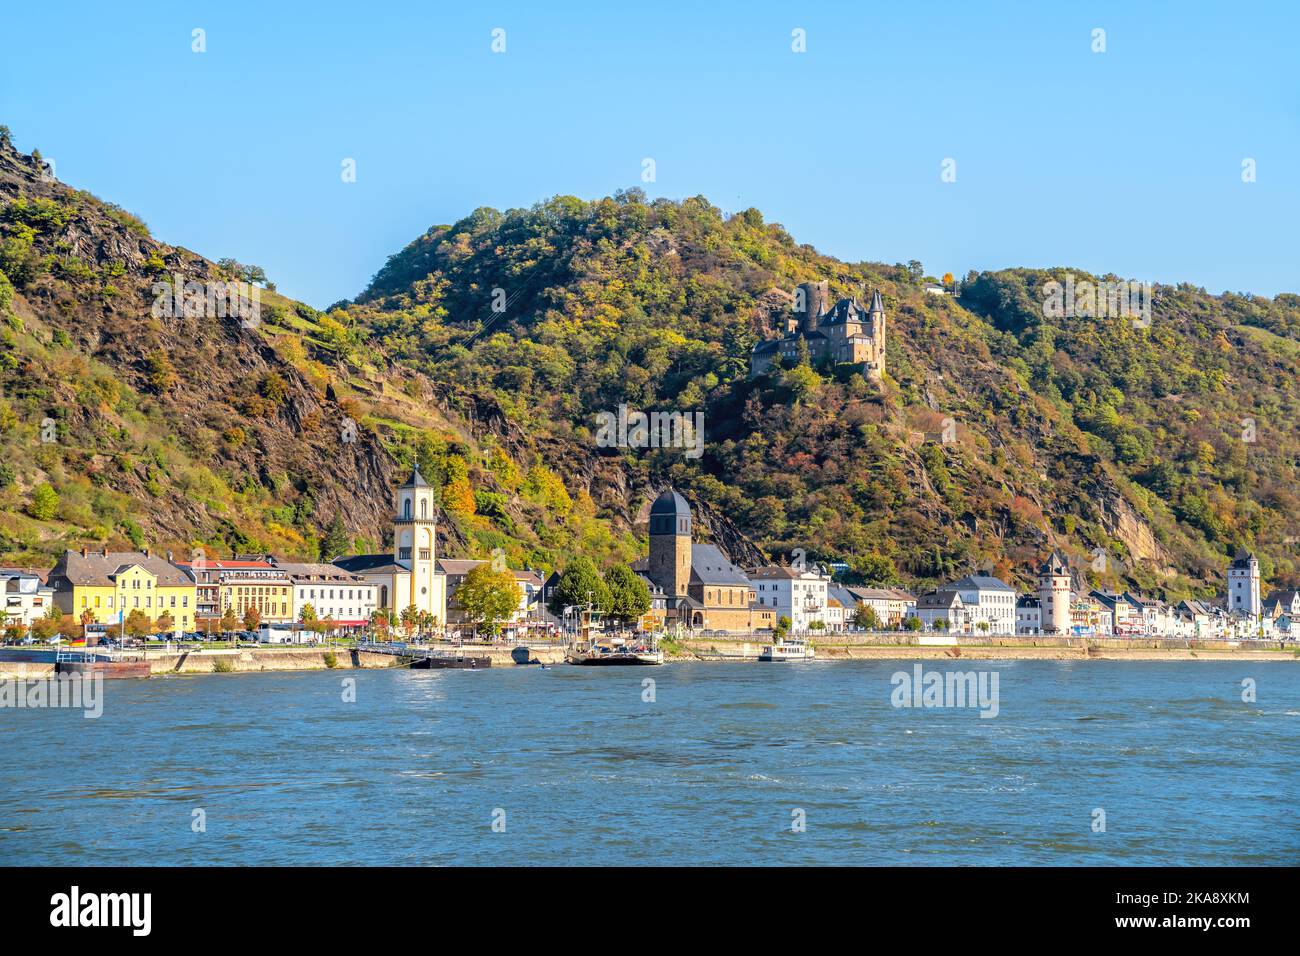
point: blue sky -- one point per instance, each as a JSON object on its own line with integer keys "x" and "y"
{"x": 1127, "y": 161}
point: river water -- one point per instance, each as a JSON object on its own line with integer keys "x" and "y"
{"x": 726, "y": 764}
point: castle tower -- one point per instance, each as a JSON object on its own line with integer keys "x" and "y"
{"x": 414, "y": 526}
{"x": 670, "y": 543}
{"x": 876, "y": 320}
{"x": 1243, "y": 585}
{"x": 1054, "y": 594}
{"x": 815, "y": 298}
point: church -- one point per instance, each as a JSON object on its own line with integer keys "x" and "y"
{"x": 843, "y": 333}
{"x": 701, "y": 587}
{"x": 409, "y": 575}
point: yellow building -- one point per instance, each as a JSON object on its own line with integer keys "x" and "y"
{"x": 112, "y": 584}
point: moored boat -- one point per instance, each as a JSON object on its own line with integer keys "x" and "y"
{"x": 784, "y": 650}
{"x": 436, "y": 662}
{"x": 89, "y": 663}
{"x": 617, "y": 653}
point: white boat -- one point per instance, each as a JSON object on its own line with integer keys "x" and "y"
{"x": 784, "y": 650}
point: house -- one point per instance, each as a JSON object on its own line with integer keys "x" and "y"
{"x": 942, "y": 610}
{"x": 988, "y": 602}
{"x": 408, "y": 576}
{"x": 237, "y": 585}
{"x": 111, "y": 584}
{"x": 892, "y": 605}
{"x": 841, "y": 606}
{"x": 1282, "y": 602}
{"x": 1122, "y": 618}
{"x": 1029, "y": 615}
{"x": 702, "y": 588}
{"x": 843, "y": 333}
{"x": 347, "y": 600}
{"x": 26, "y": 597}
{"x": 797, "y": 593}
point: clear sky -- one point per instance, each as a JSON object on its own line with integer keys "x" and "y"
{"x": 1127, "y": 161}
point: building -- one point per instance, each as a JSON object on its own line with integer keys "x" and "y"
{"x": 26, "y": 597}
{"x": 892, "y": 605}
{"x": 1055, "y": 590}
{"x": 1243, "y": 586}
{"x": 409, "y": 575}
{"x": 1122, "y": 618}
{"x": 347, "y": 599}
{"x": 1281, "y": 603}
{"x": 801, "y": 594}
{"x": 843, "y": 333}
{"x": 942, "y": 610}
{"x": 988, "y": 602}
{"x": 841, "y": 606}
{"x": 112, "y": 584}
{"x": 1029, "y": 615}
{"x": 236, "y": 585}
{"x": 702, "y": 589}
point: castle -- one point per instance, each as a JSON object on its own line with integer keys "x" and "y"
{"x": 845, "y": 332}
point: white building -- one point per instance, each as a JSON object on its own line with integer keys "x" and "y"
{"x": 892, "y": 605}
{"x": 1029, "y": 616}
{"x": 942, "y": 610}
{"x": 987, "y": 601}
{"x": 26, "y": 598}
{"x": 1055, "y": 587}
{"x": 800, "y": 595}
{"x": 409, "y": 576}
{"x": 347, "y": 599}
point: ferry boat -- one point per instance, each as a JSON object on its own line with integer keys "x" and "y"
{"x": 614, "y": 654}
{"x": 446, "y": 661}
{"x": 784, "y": 650}
{"x": 101, "y": 662}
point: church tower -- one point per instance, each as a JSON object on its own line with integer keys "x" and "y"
{"x": 876, "y": 321}
{"x": 414, "y": 546}
{"x": 1243, "y": 586}
{"x": 1054, "y": 594}
{"x": 670, "y": 543}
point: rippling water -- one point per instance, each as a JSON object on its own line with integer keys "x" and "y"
{"x": 711, "y": 771}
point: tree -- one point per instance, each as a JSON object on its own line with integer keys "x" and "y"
{"x": 228, "y": 622}
{"x": 45, "y": 502}
{"x": 629, "y": 595}
{"x": 138, "y": 623}
{"x": 581, "y": 584}
{"x": 162, "y": 375}
{"x": 912, "y": 624}
{"x": 335, "y": 540}
{"x": 252, "y": 618}
{"x": 164, "y": 623}
{"x": 410, "y": 620}
{"x": 379, "y": 624}
{"x": 865, "y": 616}
{"x": 488, "y": 596}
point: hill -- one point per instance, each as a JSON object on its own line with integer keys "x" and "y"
{"x": 486, "y": 349}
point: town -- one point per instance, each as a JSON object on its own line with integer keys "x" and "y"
{"x": 692, "y": 588}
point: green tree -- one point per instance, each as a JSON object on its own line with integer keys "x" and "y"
{"x": 865, "y": 616}
{"x": 580, "y": 583}
{"x": 335, "y": 540}
{"x": 629, "y": 595}
{"x": 488, "y": 596}
{"x": 45, "y": 502}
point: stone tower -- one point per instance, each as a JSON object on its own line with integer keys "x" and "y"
{"x": 816, "y": 298}
{"x": 876, "y": 320}
{"x": 1054, "y": 594}
{"x": 1243, "y": 585}
{"x": 670, "y": 543}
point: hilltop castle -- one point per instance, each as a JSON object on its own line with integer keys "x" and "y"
{"x": 845, "y": 332}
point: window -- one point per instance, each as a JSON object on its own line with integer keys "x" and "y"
{"x": 406, "y": 508}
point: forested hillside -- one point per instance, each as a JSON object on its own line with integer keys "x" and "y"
{"x": 486, "y": 349}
